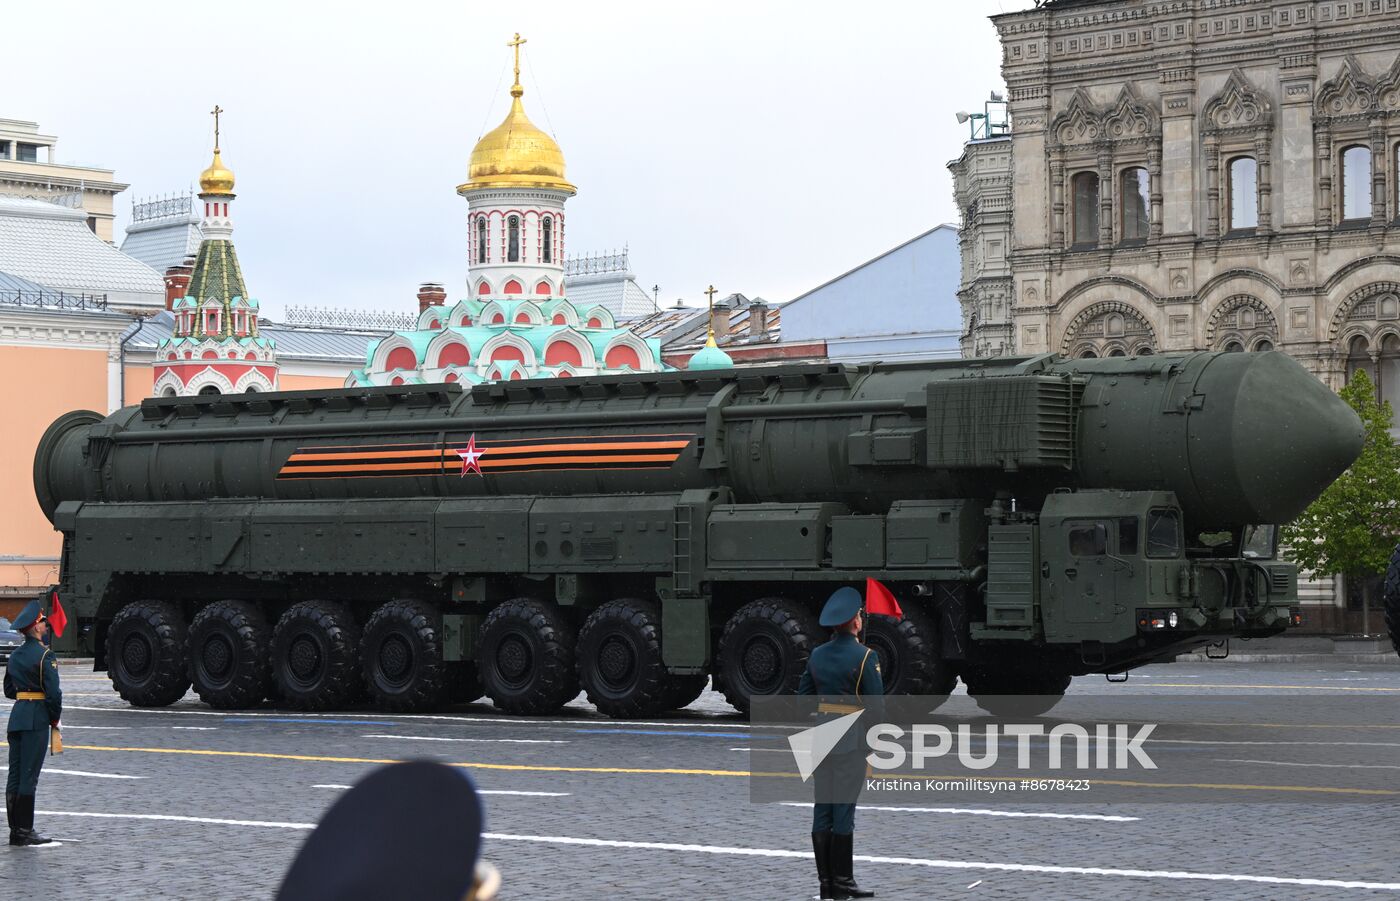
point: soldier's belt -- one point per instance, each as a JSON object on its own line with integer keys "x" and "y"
{"x": 839, "y": 708}
{"x": 30, "y": 696}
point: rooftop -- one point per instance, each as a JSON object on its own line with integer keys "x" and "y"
{"x": 312, "y": 344}
{"x": 51, "y": 245}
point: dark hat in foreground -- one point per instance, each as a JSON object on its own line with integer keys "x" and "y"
{"x": 30, "y": 615}
{"x": 841, "y": 607}
{"x": 406, "y": 830}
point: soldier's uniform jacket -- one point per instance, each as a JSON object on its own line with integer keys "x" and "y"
{"x": 846, "y": 671}
{"x": 32, "y": 668}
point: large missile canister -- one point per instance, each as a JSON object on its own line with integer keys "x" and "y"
{"x": 1240, "y": 438}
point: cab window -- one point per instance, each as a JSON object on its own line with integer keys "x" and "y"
{"x": 1259, "y": 543}
{"x": 1088, "y": 539}
{"x": 1163, "y": 534}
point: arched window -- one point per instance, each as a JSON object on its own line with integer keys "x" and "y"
{"x": 1356, "y": 183}
{"x": 1263, "y": 345}
{"x": 168, "y": 392}
{"x": 1234, "y": 347}
{"x": 1088, "y": 355}
{"x": 513, "y": 239}
{"x": 481, "y": 242}
{"x": 1135, "y": 202}
{"x": 210, "y": 389}
{"x": 1086, "y": 209}
{"x": 548, "y": 239}
{"x": 1244, "y": 193}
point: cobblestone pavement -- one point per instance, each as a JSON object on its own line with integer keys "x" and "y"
{"x": 189, "y": 802}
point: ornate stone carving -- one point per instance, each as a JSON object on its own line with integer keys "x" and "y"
{"x": 1109, "y": 327}
{"x": 1350, "y": 92}
{"x": 1079, "y": 123}
{"x": 1242, "y": 314}
{"x": 1238, "y": 106}
{"x": 1378, "y": 301}
{"x": 1129, "y": 118}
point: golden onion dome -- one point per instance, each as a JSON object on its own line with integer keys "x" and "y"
{"x": 516, "y": 154}
{"x": 217, "y": 179}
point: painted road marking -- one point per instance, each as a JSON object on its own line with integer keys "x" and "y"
{"x": 508, "y": 741}
{"x": 1330, "y": 766}
{"x": 480, "y": 791}
{"x": 984, "y": 812}
{"x": 972, "y": 865}
{"x": 49, "y": 769}
{"x": 591, "y": 721}
{"x": 667, "y": 771}
{"x": 662, "y": 732}
{"x": 1289, "y": 687}
{"x": 513, "y": 767}
{"x": 771, "y": 750}
{"x": 67, "y": 726}
{"x": 953, "y": 864}
{"x": 197, "y": 728}
{"x": 306, "y": 721}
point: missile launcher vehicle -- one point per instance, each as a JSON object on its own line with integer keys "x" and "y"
{"x": 1037, "y": 518}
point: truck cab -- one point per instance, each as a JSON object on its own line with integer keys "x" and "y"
{"x": 1118, "y": 574}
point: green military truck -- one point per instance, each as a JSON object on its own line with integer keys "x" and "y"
{"x": 1037, "y": 518}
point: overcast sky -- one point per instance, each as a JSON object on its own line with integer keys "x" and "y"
{"x": 761, "y": 146}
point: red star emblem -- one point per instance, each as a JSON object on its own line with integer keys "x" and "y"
{"x": 471, "y": 457}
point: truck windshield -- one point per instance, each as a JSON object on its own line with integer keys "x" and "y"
{"x": 1163, "y": 534}
{"x": 1259, "y": 542}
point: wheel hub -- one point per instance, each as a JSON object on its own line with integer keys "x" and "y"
{"x": 217, "y": 656}
{"x": 513, "y": 659}
{"x": 616, "y": 661}
{"x": 761, "y": 663}
{"x": 136, "y": 655}
{"x": 304, "y": 657}
{"x": 395, "y": 658}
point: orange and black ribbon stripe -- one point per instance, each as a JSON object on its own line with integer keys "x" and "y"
{"x": 497, "y": 456}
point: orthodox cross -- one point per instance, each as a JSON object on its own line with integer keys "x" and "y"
{"x": 215, "y": 113}
{"x": 656, "y": 296}
{"x": 711, "y": 292}
{"x": 516, "y": 44}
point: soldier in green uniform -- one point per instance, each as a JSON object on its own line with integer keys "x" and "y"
{"x": 842, "y": 668}
{"x": 31, "y": 680}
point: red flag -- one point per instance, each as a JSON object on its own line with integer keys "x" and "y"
{"x": 57, "y": 618}
{"x": 879, "y": 599}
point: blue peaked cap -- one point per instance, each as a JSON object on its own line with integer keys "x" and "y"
{"x": 841, "y": 607}
{"x": 28, "y": 616}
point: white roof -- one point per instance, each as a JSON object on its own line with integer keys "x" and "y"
{"x": 52, "y": 246}
{"x": 617, "y": 291}
{"x": 165, "y": 242}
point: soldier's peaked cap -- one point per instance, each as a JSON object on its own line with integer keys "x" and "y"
{"x": 30, "y": 615}
{"x": 406, "y": 830}
{"x": 841, "y": 607}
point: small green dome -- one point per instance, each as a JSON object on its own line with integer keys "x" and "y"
{"x": 710, "y": 357}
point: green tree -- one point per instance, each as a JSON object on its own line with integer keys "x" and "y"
{"x": 1352, "y": 528}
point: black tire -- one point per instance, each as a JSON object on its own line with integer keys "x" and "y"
{"x": 619, "y": 659}
{"x": 316, "y": 657}
{"x": 463, "y": 682}
{"x": 401, "y": 658}
{"x": 682, "y": 691}
{"x": 229, "y": 653}
{"x": 1011, "y": 693}
{"x": 527, "y": 658}
{"x": 1390, "y": 597}
{"x": 910, "y": 663}
{"x": 763, "y": 649}
{"x": 146, "y": 654}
